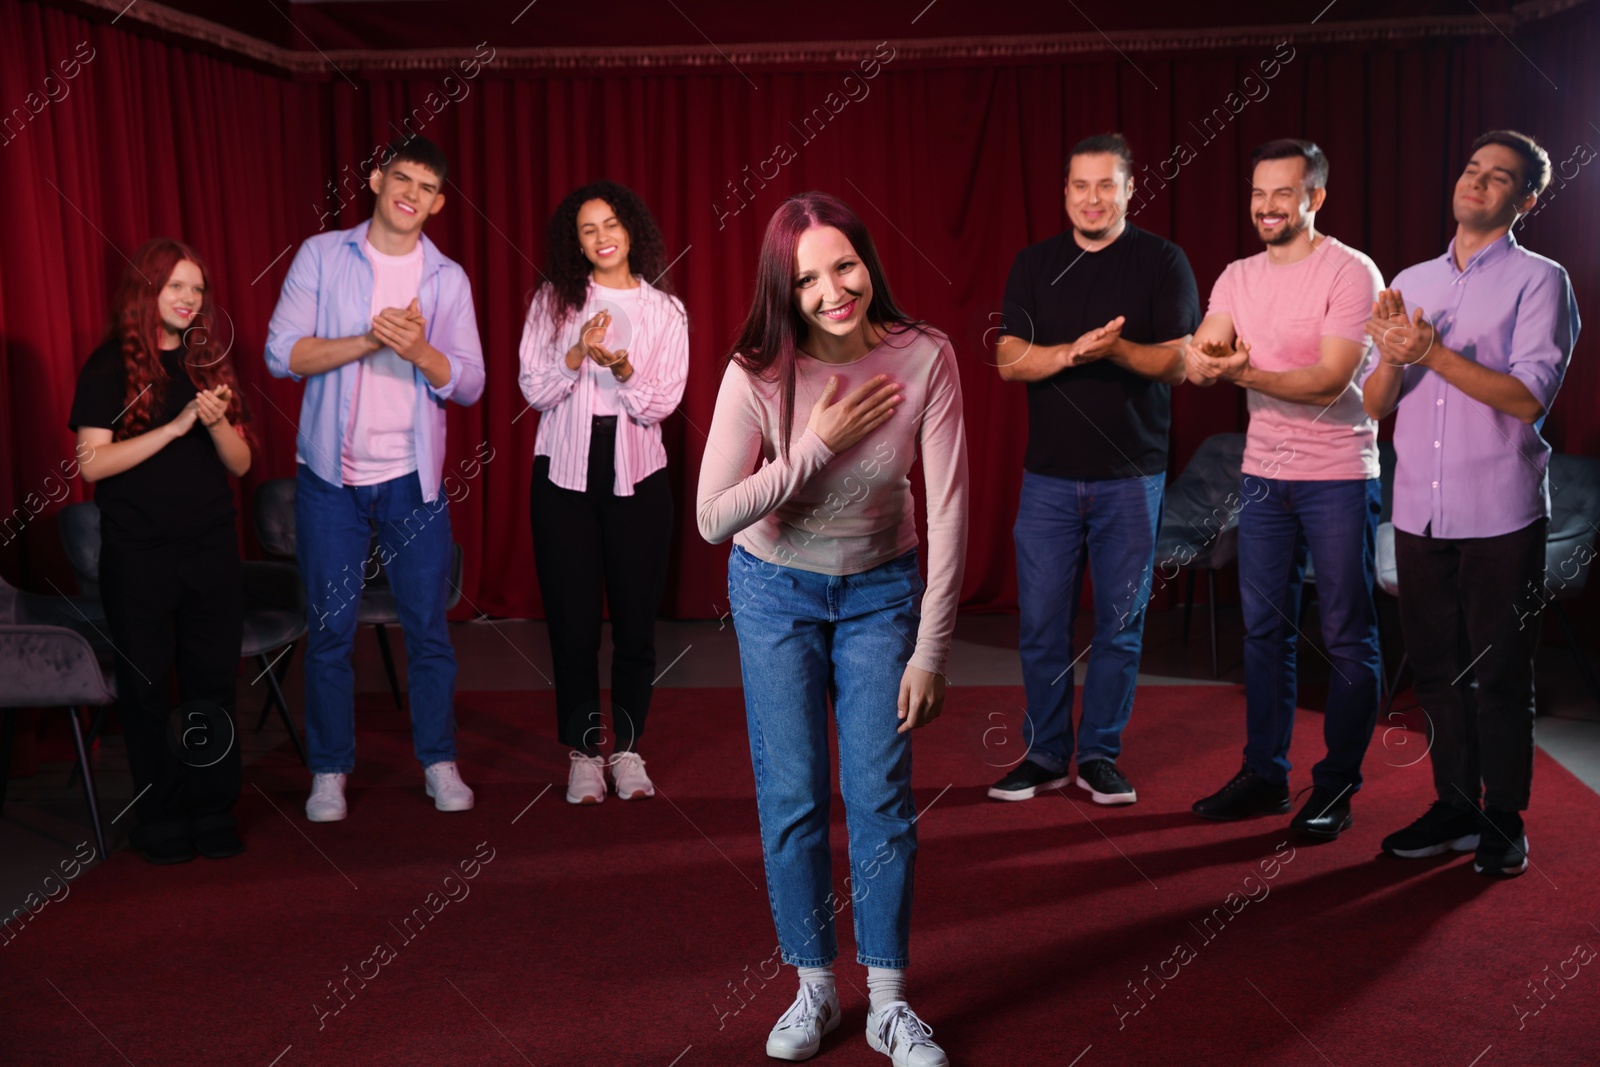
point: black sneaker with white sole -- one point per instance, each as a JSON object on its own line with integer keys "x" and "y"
{"x": 1503, "y": 846}
{"x": 1105, "y": 783}
{"x": 1443, "y": 828}
{"x": 1026, "y": 780}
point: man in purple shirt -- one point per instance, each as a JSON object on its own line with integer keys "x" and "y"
{"x": 1472, "y": 372}
{"x": 380, "y": 325}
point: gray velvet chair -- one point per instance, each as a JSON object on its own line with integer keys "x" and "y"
{"x": 1200, "y": 525}
{"x": 46, "y": 661}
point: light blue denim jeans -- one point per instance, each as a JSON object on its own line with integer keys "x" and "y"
{"x": 806, "y": 638}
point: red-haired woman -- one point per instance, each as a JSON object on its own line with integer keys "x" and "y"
{"x": 161, "y": 424}
{"x": 824, "y": 587}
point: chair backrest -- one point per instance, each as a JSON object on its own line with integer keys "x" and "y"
{"x": 80, "y": 536}
{"x": 1205, "y": 500}
{"x": 275, "y": 517}
{"x": 1574, "y": 514}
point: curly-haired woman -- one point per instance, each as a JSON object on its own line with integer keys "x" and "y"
{"x": 604, "y": 355}
{"x": 161, "y": 426}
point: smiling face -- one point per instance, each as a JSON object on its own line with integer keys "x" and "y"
{"x": 1492, "y": 190}
{"x": 180, "y": 300}
{"x": 408, "y": 194}
{"x": 1098, "y": 189}
{"x": 602, "y": 235}
{"x": 1280, "y": 204}
{"x": 832, "y": 288}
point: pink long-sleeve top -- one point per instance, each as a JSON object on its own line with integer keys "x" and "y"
{"x": 848, "y": 512}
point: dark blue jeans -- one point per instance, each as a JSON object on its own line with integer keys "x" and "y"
{"x": 1336, "y": 524}
{"x": 1115, "y": 520}
{"x": 334, "y": 530}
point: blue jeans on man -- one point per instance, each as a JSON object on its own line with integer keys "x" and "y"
{"x": 1335, "y": 523}
{"x": 1114, "y": 520}
{"x": 343, "y": 534}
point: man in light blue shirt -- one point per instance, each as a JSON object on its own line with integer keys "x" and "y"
{"x": 380, "y": 325}
{"x": 1473, "y": 346}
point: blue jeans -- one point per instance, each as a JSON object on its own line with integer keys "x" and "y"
{"x": 334, "y": 530}
{"x": 805, "y": 638}
{"x": 1116, "y": 520}
{"x": 1336, "y": 522}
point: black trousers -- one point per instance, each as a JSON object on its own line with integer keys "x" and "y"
{"x": 1464, "y": 604}
{"x": 591, "y": 545}
{"x": 179, "y": 605}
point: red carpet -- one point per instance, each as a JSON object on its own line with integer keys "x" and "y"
{"x": 619, "y": 934}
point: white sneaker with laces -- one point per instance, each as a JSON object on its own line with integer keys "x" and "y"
{"x": 798, "y": 1035}
{"x": 445, "y": 786}
{"x": 326, "y": 802}
{"x": 586, "y": 781}
{"x": 627, "y": 770}
{"x": 905, "y": 1039}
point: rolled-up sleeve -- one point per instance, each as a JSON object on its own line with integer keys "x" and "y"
{"x": 295, "y": 317}
{"x": 456, "y": 337}
{"x": 1545, "y": 330}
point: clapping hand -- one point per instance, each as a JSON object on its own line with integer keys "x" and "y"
{"x": 402, "y": 329}
{"x": 1096, "y": 344}
{"x": 211, "y": 406}
{"x": 1211, "y": 360}
{"x": 1401, "y": 342}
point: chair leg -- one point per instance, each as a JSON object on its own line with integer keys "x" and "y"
{"x": 1188, "y": 603}
{"x": 95, "y": 725}
{"x": 1577, "y": 649}
{"x": 88, "y": 783}
{"x": 388, "y": 664}
{"x": 8, "y": 734}
{"x": 1394, "y": 684}
{"x": 276, "y": 697}
{"x": 1211, "y": 609}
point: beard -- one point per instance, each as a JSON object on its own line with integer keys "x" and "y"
{"x": 1285, "y": 235}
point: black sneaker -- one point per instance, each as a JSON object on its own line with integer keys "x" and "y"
{"x": 1026, "y": 780}
{"x": 1444, "y": 828}
{"x": 1502, "y": 846}
{"x": 1325, "y": 816}
{"x": 1105, "y": 783}
{"x": 1246, "y": 794}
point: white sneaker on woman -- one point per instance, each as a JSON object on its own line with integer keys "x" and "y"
{"x": 798, "y": 1035}
{"x": 627, "y": 770}
{"x": 905, "y": 1039}
{"x": 326, "y": 802}
{"x": 445, "y": 786}
{"x": 586, "y": 780}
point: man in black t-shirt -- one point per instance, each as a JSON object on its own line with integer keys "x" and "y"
{"x": 1095, "y": 320}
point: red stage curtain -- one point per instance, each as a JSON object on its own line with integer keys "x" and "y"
{"x": 954, "y": 167}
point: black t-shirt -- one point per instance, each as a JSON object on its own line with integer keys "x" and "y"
{"x": 180, "y": 492}
{"x": 1099, "y": 420}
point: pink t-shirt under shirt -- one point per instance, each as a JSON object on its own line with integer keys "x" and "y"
{"x": 378, "y": 443}
{"x": 847, "y": 513}
{"x": 1283, "y": 311}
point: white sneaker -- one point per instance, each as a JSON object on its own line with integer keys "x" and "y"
{"x": 326, "y": 802}
{"x": 445, "y": 786}
{"x": 627, "y": 770}
{"x": 586, "y": 781}
{"x": 905, "y": 1039}
{"x": 798, "y": 1035}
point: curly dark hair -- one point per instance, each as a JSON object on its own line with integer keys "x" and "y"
{"x": 568, "y": 268}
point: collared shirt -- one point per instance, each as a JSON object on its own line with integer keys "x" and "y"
{"x": 1462, "y": 468}
{"x": 328, "y": 294}
{"x": 652, "y": 327}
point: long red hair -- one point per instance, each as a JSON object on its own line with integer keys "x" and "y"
{"x": 136, "y": 325}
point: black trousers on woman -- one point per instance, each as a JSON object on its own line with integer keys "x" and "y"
{"x": 179, "y": 604}
{"x": 591, "y": 545}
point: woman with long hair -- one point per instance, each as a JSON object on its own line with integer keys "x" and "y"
{"x": 161, "y": 426}
{"x": 605, "y": 353}
{"x": 824, "y": 587}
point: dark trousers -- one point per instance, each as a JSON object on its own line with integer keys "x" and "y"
{"x": 591, "y": 545}
{"x": 1472, "y": 649}
{"x": 177, "y": 605}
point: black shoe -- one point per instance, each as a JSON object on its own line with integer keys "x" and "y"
{"x": 1246, "y": 794}
{"x": 218, "y": 844}
{"x": 1026, "y": 780}
{"x": 1444, "y": 828}
{"x": 1105, "y": 783}
{"x": 1325, "y": 816}
{"x": 167, "y": 850}
{"x": 1502, "y": 846}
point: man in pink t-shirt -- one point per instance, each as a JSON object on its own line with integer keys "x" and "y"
{"x": 1288, "y": 326}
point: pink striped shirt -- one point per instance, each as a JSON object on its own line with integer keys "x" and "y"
{"x": 654, "y": 329}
